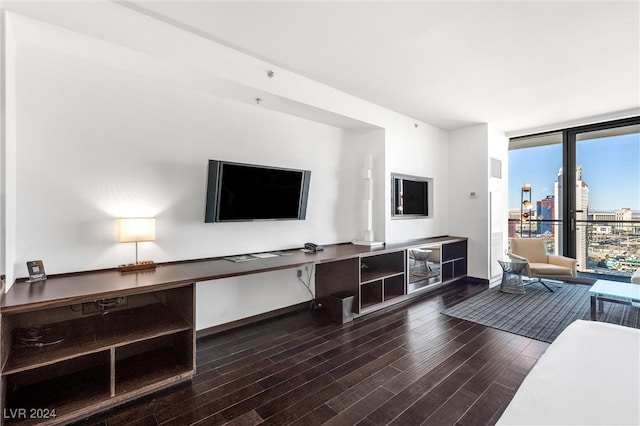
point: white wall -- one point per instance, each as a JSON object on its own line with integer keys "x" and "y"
{"x": 232, "y": 299}
{"x": 470, "y": 153}
{"x": 469, "y": 172}
{"x": 498, "y": 147}
{"x": 121, "y": 145}
{"x": 418, "y": 151}
{"x": 113, "y": 124}
{"x": 8, "y": 155}
{"x": 3, "y": 147}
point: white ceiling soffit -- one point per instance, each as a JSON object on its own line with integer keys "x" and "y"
{"x": 515, "y": 65}
{"x": 520, "y": 66}
{"x": 33, "y": 28}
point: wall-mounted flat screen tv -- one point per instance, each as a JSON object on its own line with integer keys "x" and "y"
{"x": 245, "y": 192}
{"x": 410, "y": 196}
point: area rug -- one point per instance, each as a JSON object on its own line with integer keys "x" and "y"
{"x": 539, "y": 314}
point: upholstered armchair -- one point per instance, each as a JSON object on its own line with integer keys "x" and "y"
{"x": 539, "y": 263}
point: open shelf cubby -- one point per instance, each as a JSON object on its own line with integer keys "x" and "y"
{"x": 63, "y": 387}
{"x": 78, "y": 360}
{"x": 370, "y": 294}
{"x": 454, "y": 260}
{"x": 381, "y": 266}
{"x": 394, "y": 287}
{"x": 382, "y": 278}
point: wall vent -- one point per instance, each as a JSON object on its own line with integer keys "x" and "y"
{"x": 496, "y": 168}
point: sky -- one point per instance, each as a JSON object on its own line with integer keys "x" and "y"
{"x": 610, "y": 167}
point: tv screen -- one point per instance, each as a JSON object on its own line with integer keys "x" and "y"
{"x": 245, "y": 192}
{"x": 410, "y": 196}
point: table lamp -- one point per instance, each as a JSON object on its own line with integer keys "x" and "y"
{"x": 135, "y": 230}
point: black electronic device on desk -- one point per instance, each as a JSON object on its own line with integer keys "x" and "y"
{"x": 312, "y": 248}
{"x": 36, "y": 271}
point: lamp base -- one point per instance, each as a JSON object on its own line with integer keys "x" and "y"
{"x": 138, "y": 266}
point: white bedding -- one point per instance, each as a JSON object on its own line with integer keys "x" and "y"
{"x": 590, "y": 375}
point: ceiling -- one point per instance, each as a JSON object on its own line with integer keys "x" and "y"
{"x": 514, "y": 64}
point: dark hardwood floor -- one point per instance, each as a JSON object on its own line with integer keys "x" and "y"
{"x": 406, "y": 365}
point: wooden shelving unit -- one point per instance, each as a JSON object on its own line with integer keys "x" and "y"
{"x": 447, "y": 262}
{"x": 125, "y": 335}
{"x": 81, "y": 363}
{"x": 454, "y": 260}
{"x": 382, "y": 278}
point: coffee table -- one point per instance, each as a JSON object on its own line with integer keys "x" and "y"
{"x": 614, "y": 292}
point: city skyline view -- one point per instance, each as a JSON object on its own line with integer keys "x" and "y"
{"x": 610, "y": 168}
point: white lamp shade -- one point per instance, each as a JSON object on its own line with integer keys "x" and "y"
{"x": 134, "y": 229}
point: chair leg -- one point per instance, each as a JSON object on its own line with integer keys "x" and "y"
{"x": 544, "y": 284}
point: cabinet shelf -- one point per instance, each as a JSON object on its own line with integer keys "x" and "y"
{"x": 380, "y": 266}
{"x": 394, "y": 287}
{"x": 382, "y": 278}
{"x": 64, "y": 387}
{"x": 166, "y": 363}
{"x": 370, "y": 294}
{"x": 379, "y": 275}
{"x": 98, "y": 332}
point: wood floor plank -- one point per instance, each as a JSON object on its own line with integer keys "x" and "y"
{"x": 317, "y": 417}
{"x": 291, "y": 371}
{"x": 424, "y": 406}
{"x": 495, "y": 361}
{"x": 284, "y": 401}
{"x": 361, "y": 409}
{"x": 263, "y": 397}
{"x": 452, "y": 410}
{"x": 421, "y": 364}
{"x": 355, "y": 392}
{"x": 535, "y": 349}
{"x": 369, "y": 370}
{"x": 300, "y": 409}
{"x": 203, "y": 406}
{"x": 404, "y": 399}
{"x": 423, "y": 385}
{"x": 487, "y": 408}
{"x": 513, "y": 376}
{"x": 250, "y": 418}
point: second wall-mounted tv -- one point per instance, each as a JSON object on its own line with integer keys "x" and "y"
{"x": 410, "y": 196}
{"x": 246, "y": 192}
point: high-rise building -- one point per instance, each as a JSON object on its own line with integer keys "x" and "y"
{"x": 582, "y": 208}
{"x": 558, "y": 212}
{"x": 544, "y": 211}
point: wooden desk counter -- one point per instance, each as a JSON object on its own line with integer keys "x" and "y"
{"x": 85, "y": 286}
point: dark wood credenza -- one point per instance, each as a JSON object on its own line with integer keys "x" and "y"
{"x": 77, "y": 344}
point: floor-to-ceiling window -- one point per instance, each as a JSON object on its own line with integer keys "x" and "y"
{"x": 607, "y": 231}
{"x": 589, "y": 208}
{"x": 535, "y": 163}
